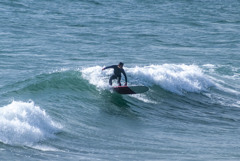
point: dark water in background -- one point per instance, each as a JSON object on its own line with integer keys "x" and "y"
{"x": 55, "y": 100}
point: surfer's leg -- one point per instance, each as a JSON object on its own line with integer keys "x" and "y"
{"x": 111, "y": 78}
{"x": 119, "y": 80}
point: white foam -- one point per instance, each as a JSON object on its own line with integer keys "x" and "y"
{"x": 143, "y": 98}
{"x": 209, "y": 65}
{"x": 24, "y": 123}
{"x": 236, "y": 105}
{"x": 45, "y": 148}
{"x": 227, "y": 102}
{"x": 227, "y": 80}
{"x": 175, "y": 78}
{"x": 96, "y": 76}
{"x": 230, "y": 72}
{"x": 59, "y": 70}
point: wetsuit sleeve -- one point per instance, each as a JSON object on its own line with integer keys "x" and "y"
{"x": 112, "y": 66}
{"x": 124, "y": 75}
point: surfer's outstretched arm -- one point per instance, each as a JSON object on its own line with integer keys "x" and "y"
{"x": 112, "y": 66}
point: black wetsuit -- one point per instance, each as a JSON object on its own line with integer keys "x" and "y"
{"x": 117, "y": 74}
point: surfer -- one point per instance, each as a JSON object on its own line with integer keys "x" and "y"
{"x": 118, "y": 69}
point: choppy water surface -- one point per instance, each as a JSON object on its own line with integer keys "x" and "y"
{"x": 55, "y": 100}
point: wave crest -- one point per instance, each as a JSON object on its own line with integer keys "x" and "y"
{"x": 171, "y": 77}
{"x": 23, "y": 123}
{"x": 175, "y": 78}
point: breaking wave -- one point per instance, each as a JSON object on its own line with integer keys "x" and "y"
{"x": 24, "y": 123}
{"x": 174, "y": 78}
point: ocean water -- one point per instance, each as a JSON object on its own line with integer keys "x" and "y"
{"x": 55, "y": 102}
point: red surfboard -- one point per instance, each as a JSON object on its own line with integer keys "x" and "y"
{"x": 130, "y": 89}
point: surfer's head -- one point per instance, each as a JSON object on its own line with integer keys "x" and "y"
{"x": 120, "y": 65}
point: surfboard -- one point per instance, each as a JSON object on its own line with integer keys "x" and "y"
{"x": 130, "y": 89}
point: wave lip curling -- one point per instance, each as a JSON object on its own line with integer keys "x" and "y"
{"x": 24, "y": 123}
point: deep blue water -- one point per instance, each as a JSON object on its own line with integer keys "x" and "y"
{"x": 55, "y": 102}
